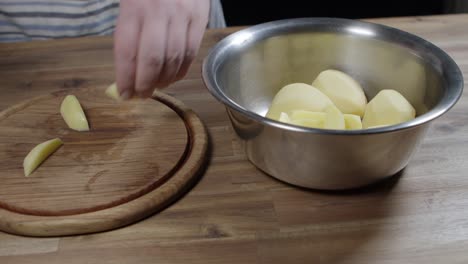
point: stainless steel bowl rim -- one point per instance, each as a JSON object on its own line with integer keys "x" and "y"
{"x": 261, "y": 31}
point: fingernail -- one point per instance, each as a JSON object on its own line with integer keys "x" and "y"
{"x": 125, "y": 95}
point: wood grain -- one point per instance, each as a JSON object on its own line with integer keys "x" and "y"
{"x": 162, "y": 149}
{"x": 130, "y": 149}
{"x": 236, "y": 214}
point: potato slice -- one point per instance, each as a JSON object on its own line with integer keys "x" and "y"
{"x": 39, "y": 154}
{"x": 304, "y": 118}
{"x": 284, "y": 118}
{"x": 113, "y": 92}
{"x": 308, "y": 118}
{"x": 352, "y": 122}
{"x": 388, "y": 107}
{"x": 73, "y": 114}
{"x": 334, "y": 118}
{"x": 345, "y": 92}
{"x": 301, "y": 114}
{"x": 297, "y": 96}
{"x": 372, "y": 127}
{"x": 312, "y": 123}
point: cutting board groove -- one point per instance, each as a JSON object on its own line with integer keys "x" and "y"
{"x": 133, "y": 163}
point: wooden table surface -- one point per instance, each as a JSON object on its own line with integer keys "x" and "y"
{"x": 236, "y": 214}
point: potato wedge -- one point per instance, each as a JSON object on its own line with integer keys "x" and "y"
{"x": 388, "y": 107}
{"x": 39, "y": 154}
{"x": 297, "y": 96}
{"x": 73, "y": 114}
{"x": 345, "y": 92}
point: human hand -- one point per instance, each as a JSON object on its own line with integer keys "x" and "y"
{"x": 155, "y": 42}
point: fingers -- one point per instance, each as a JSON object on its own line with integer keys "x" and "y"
{"x": 151, "y": 54}
{"x": 175, "y": 50}
{"x": 155, "y": 42}
{"x": 126, "y": 48}
{"x": 194, "y": 38}
{"x": 196, "y": 28}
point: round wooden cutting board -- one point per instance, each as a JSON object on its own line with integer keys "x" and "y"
{"x": 138, "y": 156}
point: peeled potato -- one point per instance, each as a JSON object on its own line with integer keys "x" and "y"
{"x": 334, "y": 119}
{"x": 343, "y": 91}
{"x": 284, "y": 118}
{"x": 312, "y": 123}
{"x": 40, "y": 153}
{"x": 73, "y": 114}
{"x": 304, "y": 118}
{"x": 301, "y": 114}
{"x": 388, "y": 107}
{"x": 352, "y": 122}
{"x": 308, "y": 118}
{"x": 298, "y": 96}
{"x": 113, "y": 92}
{"x": 377, "y": 126}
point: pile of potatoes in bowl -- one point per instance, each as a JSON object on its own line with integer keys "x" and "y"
{"x": 336, "y": 101}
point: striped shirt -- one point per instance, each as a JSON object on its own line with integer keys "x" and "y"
{"x": 26, "y": 20}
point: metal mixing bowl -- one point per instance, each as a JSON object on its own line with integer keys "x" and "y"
{"x": 245, "y": 70}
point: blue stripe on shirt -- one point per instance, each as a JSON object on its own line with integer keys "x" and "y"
{"x": 38, "y": 3}
{"x": 54, "y": 14}
{"x": 3, "y": 35}
{"x": 60, "y": 27}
